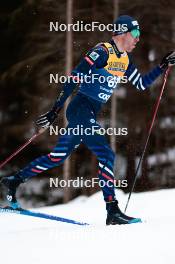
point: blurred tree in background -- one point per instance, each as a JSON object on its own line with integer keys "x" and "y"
{"x": 29, "y": 52}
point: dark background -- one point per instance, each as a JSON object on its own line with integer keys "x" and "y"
{"x": 29, "y": 53}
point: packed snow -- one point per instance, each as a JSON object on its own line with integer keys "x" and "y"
{"x": 30, "y": 240}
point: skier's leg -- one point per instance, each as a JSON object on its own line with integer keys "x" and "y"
{"x": 62, "y": 150}
{"x": 99, "y": 146}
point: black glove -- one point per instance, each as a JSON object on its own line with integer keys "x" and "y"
{"x": 168, "y": 60}
{"x": 46, "y": 119}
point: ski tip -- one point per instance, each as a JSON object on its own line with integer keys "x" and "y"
{"x": 135, "y": 220}
{"x": 19, "y": 210}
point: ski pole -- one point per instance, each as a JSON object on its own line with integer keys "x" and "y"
{"x": 22, "y": 147}
{"x": 149, "y": 133}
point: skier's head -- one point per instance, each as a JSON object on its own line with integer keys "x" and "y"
{"x": 126, "y": 32}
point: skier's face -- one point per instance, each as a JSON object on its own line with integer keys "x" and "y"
{"x": 125, "y": 42}
{"x": 129, "y": 42}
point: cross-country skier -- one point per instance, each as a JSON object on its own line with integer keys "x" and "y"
{"x": 110, "y": 59}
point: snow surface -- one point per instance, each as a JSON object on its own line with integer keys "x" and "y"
{"x": 29, "y": 240}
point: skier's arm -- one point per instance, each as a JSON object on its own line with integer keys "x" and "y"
{"x": 95, "y": 58}
{"x": 141, "y": 82}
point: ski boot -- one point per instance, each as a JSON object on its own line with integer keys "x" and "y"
{"x": 116, "y": 217}
{"x": 12, "y": 183}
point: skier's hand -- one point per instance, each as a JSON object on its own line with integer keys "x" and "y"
{"x": 46, "y": 119}
{"x": 168, "y": 60}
